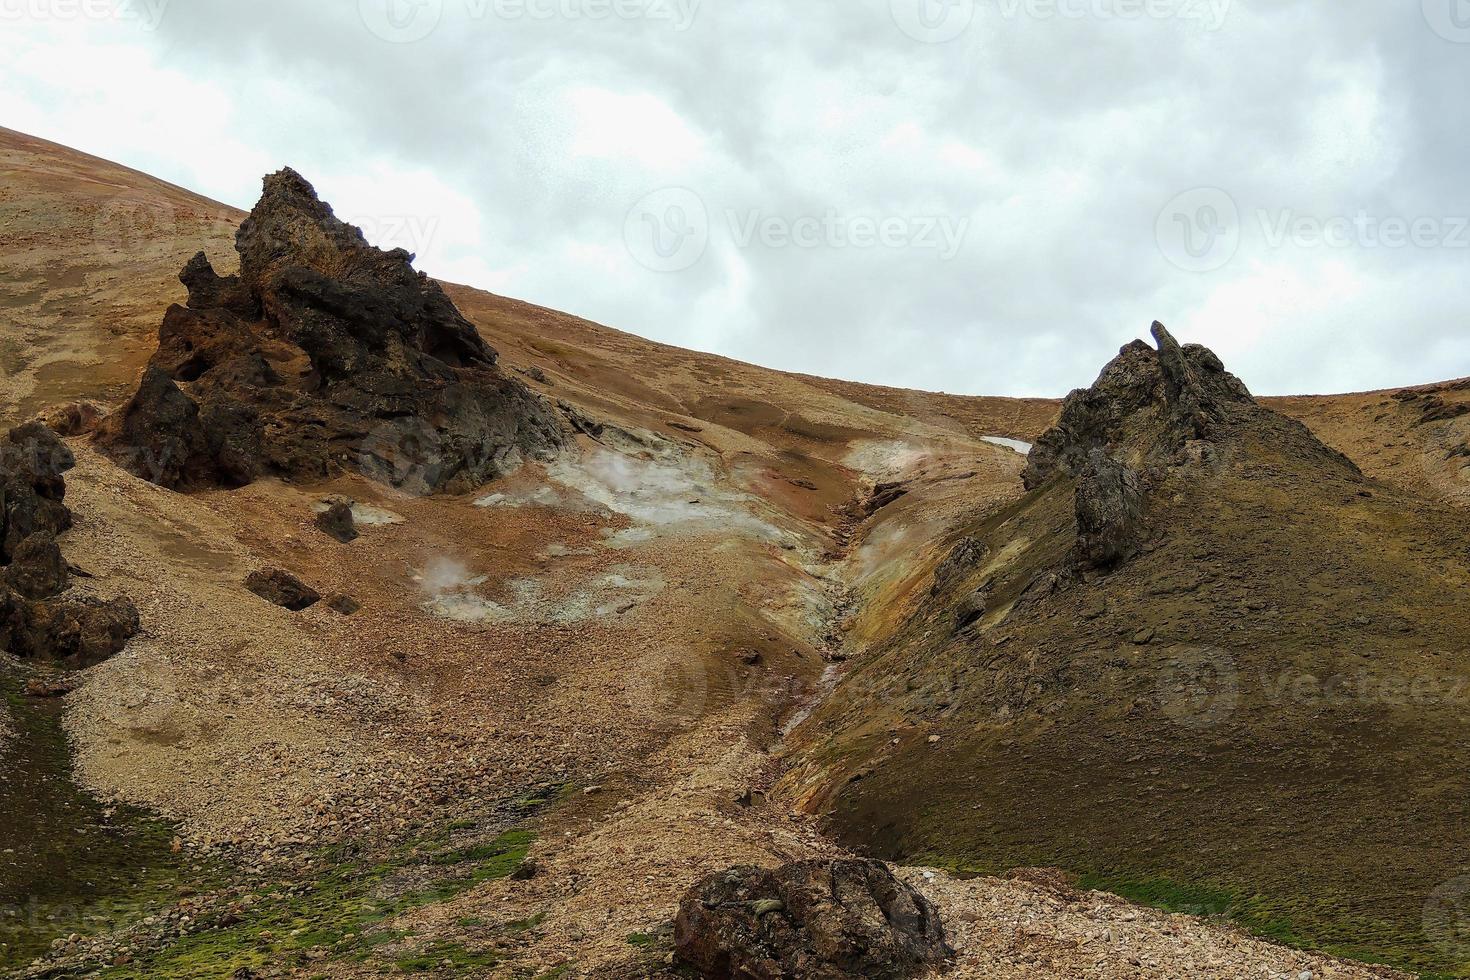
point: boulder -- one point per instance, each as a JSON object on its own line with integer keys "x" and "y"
{"x": 73, "y": 418}
{"x": 971, "y": 608}
{"x": 810, "y": 920}
{"x": 33, "y": 461}
{"x": 33, "y": 622}
{"x": 323, "y": 354}
{"x": 964, "y": 558}
{"x": 337, "y": 522}
{"x": 78, "y": 633}
{"x": 282, "y": 588}
{"x": 37, "y": 570}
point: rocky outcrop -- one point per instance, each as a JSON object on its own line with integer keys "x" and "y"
{"x": 35, "y": 620}
{"x": 37, "y": 570}
{"x": 323, "y": 354}
{"x": 32, "y": 486}
{"x": 1153, "y": 412}
{"x": 810, "y": 920}
{"x": 1146, "y": 407}
{"x": 1109, "y": 505}
{"x": 1149, "y": 410}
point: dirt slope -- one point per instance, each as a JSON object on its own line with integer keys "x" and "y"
{"x": 591, "y": 663}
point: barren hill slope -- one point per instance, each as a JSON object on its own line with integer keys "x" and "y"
{"x": 1204, "y": 660}
{"x": 594, "y": 663}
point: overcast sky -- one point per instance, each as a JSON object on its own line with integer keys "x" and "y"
{"x": 977, "y": 196}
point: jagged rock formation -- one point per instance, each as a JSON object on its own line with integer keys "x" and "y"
{"x": 1146, "y": 407}
{"x": 1151, "y": 411}
{"x": 34, "y": 621}
{"x": 323, "y": 353}
{"x": 810, "y": 920}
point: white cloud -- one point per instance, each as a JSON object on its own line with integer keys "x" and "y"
{"x": 508, "y": 152}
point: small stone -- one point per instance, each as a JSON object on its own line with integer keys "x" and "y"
{"x": 344, "y": 604}
{"x": 337, "y": 522}
{"x": 283, "y": 589}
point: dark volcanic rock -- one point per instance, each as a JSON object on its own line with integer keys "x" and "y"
{"x": 77, "y": 633}
{"x": 1150, "y": 414}
{"x": 337, "y": 522}
{"x": 32, "y": 486}
{"x": 1145, "y": 406}
{"x": 1109, "y": 512}
{"x": 72, "y": 418}
{"x": 324, "y": 353}
{"x": 33, "y": 622}
{"x": 964, "y": 558}
{"x": 971, "y": 608}
{"x": 282, "y": 588}
{"x": 811, "y": 920}
{"x": 37, "y": 570}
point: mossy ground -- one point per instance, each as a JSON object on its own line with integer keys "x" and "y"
{"x": 70, "y": 864}
{"x": 347, "y": 913}
{"x": 1300, "y": 923}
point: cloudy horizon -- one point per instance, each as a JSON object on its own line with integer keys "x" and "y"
{"x": 951, "y": 195}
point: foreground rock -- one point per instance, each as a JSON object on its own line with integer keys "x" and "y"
{"x": 283, "y": 589}
{"x": 825, "y": 920}
{"x": 34, "y": 621}
{"x": 323, "y": 354}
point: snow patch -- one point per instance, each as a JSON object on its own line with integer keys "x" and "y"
{"x": 1024, "y": 448}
